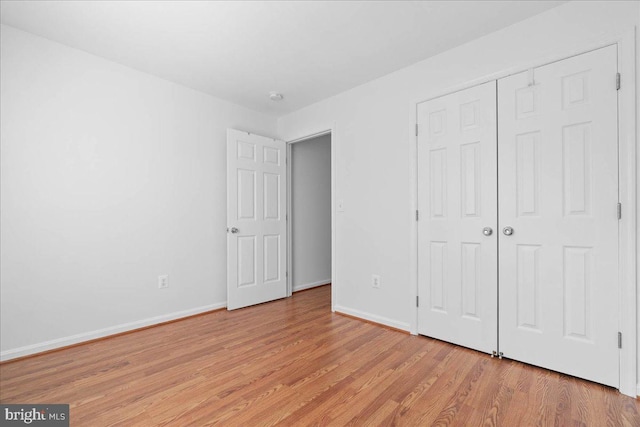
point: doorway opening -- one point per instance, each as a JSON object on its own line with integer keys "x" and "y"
{"x": 309, "y": 212}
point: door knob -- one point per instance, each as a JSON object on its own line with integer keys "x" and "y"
{"x": 234, "y": 230}
{"x": 508, "y": 231}
{"x": 487, "y": 231}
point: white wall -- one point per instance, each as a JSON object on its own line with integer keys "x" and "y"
{"x": 373, "y": 130}
{"x": 109, "y": 177}
{"x": 311, "y": 212}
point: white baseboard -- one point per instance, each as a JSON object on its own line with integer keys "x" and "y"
{"x": 638, "y": 390}
{"x": 373, "y": 318}
{"x": 304, "y": 286}
{"x": 105, "y": 332}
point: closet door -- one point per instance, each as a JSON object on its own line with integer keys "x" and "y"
{"x": 558, "y": 192}
{"x": 457, "y": 260}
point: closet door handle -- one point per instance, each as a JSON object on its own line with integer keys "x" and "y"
{"x": 508, "y": 231}
{"x": 487, "y": 231}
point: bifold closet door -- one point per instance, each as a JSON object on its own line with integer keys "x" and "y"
{"x": 457, "y": 249}
{"x": 558, "y": 195}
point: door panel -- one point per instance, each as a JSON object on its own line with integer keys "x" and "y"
{"x": 558, "y": 190}
{"x": 256, "y": 202}
{"x": 457, "y": 270}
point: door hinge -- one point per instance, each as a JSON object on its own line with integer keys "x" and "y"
{"x": 619, "y": 210}
{"x": 619, "y": 339}
{"x": 417, "y": 215}
{"x": 617, "y": 81}
{"x": 417, "y": 301}
{"x": 416, "y": 129}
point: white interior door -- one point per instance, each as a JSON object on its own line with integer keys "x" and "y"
{"x": 457, "y": 262}
{"x": 256, "y": 219}
{"x": 558, "y": 180}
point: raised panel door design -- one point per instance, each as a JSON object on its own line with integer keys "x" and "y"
{"x": 527, "y": 174}
{"x": 576, "y": 156}
{"x": 246, "y": 261}
{"x": 526, "y": 102}
{"x": 438, "y": 275}
{"x": 438, "y": 168}
{"x": 271, "y": 258}
{"x": 469, "y": 115}
{"x": 471, "y": 278}
{"x": 437, "y": 123}
{"x": 246, "y": 194}
{"x": 575, "y": 90}
{"x": 272, "y": 155}
{"x": 271, "y": 196}
{"x": 457, "y": 186}
{"x": 527, "y": 286}
{"x": 246, "y": 151}
{"x": 471, "y": 180}
{"x": 256, "y": 224}
{"x": 558, "y": 190}
{"x": 577, "y": 292}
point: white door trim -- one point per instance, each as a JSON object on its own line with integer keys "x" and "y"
{"x": 627, "y": 167}
{"x": 324, "y": 131}
{"x": 628, "y": 255}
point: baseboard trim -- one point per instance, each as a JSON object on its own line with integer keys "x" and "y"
{"x": 57, "y": 344}
{"x": 311, "y": 285}
{"x": 638, "y": 391}
{"x": 373, "y": 318}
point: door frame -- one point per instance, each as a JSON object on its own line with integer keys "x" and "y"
{"x": 627, "y": 176}
{"x": 327, "y": 131}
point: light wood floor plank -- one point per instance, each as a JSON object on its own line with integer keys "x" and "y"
{"x": 294, "y": 363}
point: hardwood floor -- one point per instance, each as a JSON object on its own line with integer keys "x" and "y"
{"x": 293, "y": 362}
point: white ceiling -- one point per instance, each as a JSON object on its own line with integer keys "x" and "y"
{"x": 240, "y": 51}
